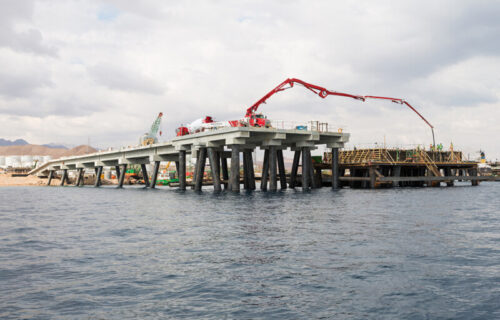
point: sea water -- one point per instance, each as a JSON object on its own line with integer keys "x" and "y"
{"x": 107, "y": 253}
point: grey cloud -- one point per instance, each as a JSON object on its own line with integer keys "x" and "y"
{"x": 431, "y": 41}
{"x": 67, "y": 106}
{"x": 31, "y": 40}
{"x": 118, "y": 78}
{"x": 23, "y": 85}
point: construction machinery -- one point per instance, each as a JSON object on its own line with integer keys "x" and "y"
{"x": 258, "y": 120}
{"x": 196, "y": 126}
{"x": 254, "y": 119}
{"x": 151, "y": 137}
{"x": 401, "y": 101}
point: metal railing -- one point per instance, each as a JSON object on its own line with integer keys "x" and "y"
{"x": 316, "y": 126}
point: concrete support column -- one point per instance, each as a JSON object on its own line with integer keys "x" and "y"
{"x": 182, "y": 169}
{"x": 117, "y": 169}
{"x": 265, "y": 171}
{"x": 371, "y": 172}
{"x": 214, "y": 166}
{"x": 281, "y": 169}
{"x": 396, "y": 173}
{"x": 79, "y": 177}
{"x": 98, "y": 176}
{"x": 251, "y": 170}
{"x": 305, "y": 168}
{"x": 273, "y": 183}
{"x": 448, "y": 172}
{"x": 352, "y": 173}
{"x": 64, "y": 177}
{"x": 335, "y": 169}
{"x": 249, "y": 174}
{"x": 177, "y": 169}
{"x": 145, "y": 175}
{"x": 225, "y": 172}
{"x": 295, "y": 168}
{"x": 246, "y": 173}
{"x": 312, "y": 178}
{"x": 122, "y": 176}
{"x": 154, "y": 177}
{"x": 318, "y": 176}
{"x": 217, "y": 159}
{"x": 235, "y": 168}
{"x": 200, "y": 168}
{"x": 473, "y": 173}
{"x": 51, "y": 175}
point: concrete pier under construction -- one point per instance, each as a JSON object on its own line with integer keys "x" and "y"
{"x": 218, "y": 146}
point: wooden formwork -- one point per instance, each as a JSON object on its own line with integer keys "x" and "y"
{"x": 381, "y": 167}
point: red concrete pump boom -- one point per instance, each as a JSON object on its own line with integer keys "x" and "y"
{"x": 323, "y": 93}
{"x": 320, "y": 91}
{"x": 401, "y": 101}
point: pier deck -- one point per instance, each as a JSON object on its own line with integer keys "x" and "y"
{"x": 217, "y": 146}
{"x": 363, "y": 168}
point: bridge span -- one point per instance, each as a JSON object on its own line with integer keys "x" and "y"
{"x": 217, "y": 145}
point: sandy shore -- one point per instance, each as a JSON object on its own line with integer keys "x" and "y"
{"x": 7, "y": 180}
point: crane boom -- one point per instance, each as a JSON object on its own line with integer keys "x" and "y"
{"x": 320, "y": 91}
{"x": 155, "y": 126}
{"x": 151, "y": 137}
{"x": 323, "y": 93}
{"x": 401, "y": 101}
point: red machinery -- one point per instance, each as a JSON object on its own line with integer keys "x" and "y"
{"x": 258, "y": 120}
{"x": 193, "y": 127}
{"x": 401, "y": 101}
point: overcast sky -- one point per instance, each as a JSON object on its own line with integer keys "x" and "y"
{"x": 74, "y": 70}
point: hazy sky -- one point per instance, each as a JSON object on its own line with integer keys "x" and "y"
{"x": 73, "y": 70}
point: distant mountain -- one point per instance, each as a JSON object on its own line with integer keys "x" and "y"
{"x": 37, "y": 150}
{"x": 18, "y": 142}
{"x": 55, "y": 145}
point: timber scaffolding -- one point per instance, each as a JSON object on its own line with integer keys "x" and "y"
{"x": 217, "y": 145}
{"x": 382, "y": 167}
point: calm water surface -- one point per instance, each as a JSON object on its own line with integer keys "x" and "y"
{"x": 86, "y": 253}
